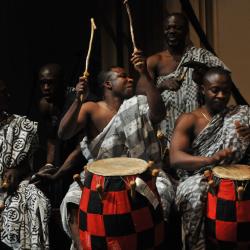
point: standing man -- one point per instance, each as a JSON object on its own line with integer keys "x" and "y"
{"x": 179, "y": 91}
{"x": 210, "y": 135}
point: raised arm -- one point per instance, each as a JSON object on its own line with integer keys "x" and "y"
{"x": 157, "y": 109}
{"x": 76, "y": 117}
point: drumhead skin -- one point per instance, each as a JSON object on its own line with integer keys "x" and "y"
{"x": 233, "y": 172}
{"x": 119, "y": 166}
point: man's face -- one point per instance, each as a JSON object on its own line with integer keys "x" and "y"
{"x": 175, "y": 32}
{"x": 48, "y": 81}
{"x": 217, "y": 92}
{"x": 4, "y": 97}
{"x": 122, "y": 84}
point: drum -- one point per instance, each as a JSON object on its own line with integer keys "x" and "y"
{"x": 228, "y": 206}
{"x": 119, "y": 207}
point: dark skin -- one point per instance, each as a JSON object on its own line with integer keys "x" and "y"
{"x": 166, "y": 62}
{"x": 217, "y": 91}
{"x": 97, "y": 115}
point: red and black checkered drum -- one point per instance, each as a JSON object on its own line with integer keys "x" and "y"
{"x": 114, "y": 211}
{"x": 228, "y": 208}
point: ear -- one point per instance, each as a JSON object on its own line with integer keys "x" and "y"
{"x": 107, "y": 84}
{"x": 202, "y": 89}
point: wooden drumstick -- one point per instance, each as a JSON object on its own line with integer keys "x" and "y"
{"x": 155, "y": 172}
{"x": 132, "y": 185}
{"x": 130, "y": 24}
{"x": 207, "y": 173}
{"x": 77, "y": 178}
{"x": 86, "y": 73}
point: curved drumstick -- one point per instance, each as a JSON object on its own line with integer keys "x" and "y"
{"x": 86, "y": 73}
{"x": 77, "y": 178}
{"x": 130, "y": 24}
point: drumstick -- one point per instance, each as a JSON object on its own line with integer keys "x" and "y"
{"x": 86, "y": 73}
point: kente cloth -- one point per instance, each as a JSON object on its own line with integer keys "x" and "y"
{"x": 129, "y": 134}
{"x": 186, "y": 98}
{"x": 24, "y": 220}
{"x": 191, "y": 194}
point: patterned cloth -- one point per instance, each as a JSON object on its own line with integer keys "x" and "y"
{"x": 129, "y": 134}
{"x": 24, "y": 221}
{"x": 191, "y": 194}
{"x": 186, "y": 98}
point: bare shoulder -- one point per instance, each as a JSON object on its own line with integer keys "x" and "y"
{"x": 186, "y": 120}
{"x": 154, "y": 59}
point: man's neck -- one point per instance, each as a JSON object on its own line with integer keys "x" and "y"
{"x": 113, "y": 102}
{"x": 177, "y": 50}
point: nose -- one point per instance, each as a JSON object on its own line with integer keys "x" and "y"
{"x": 130, "y": 79}
{"x": 46, "y": 86}
{"x": 221, "y": 95}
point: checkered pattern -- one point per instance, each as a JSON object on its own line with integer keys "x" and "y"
{"x": 228, "y": 219}
{"x": 118, "y": 221}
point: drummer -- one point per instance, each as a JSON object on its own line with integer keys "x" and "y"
{"x": 210, "y": 135}
{"x": 114, "y": 127}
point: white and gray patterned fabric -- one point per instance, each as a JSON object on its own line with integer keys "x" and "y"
{"x": 191, "y": 194}
{"x": 186, "y": 98}
{"x": 24, "y": 221}
{"x": 129, "y": 134}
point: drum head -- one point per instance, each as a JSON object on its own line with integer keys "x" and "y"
{"x": 233, "y": 172}
{"x": 120, "y": 166}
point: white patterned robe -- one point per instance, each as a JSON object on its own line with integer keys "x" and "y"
{"x": 24, "y": 220}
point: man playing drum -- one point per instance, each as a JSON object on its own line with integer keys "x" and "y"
{"x": 115, "y": 127}
{"x": 210, "y": 135}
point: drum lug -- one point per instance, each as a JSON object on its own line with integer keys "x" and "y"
{"x": 240, "y": 191}
{"x": 99, "y": 189}
{"x": 132, "y": 185}
{"x": 77, "y": 178}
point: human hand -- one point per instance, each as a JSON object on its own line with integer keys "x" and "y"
{"x": 221, "y": 155}
{"x": 139, "y": 61}
{"x": 242, "y": 130}
{"x": 82, "y": 87}
{"x": 44, "y": 175}
{"x": 11, "y": 180}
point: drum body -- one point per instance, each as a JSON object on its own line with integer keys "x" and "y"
{"x": 228, "y": 211}
{"x": 113, "y": 219}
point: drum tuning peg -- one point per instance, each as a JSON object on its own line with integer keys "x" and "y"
{"x": 150, "y": 164}
{"x": 240, "y": 191}
{"x": 155, "y": 172}
{"x": 132, "y": 185}
{"x": 99, "y": 190}
{"x": 77, "y": 178}
{"x": 207, "y": 173}
{"x": 212, "y": 186}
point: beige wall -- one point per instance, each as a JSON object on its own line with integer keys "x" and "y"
{"x": 229, "y": 24}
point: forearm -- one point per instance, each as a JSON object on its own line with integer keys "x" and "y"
{"x": 68, "y": 124}
{"x": 188, "y": 162}
{"x": 70, "y": 163}
{"x": 156, "y": 105}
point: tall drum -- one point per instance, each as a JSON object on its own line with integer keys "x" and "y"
{"x": 120, "y": 207}
{"x": 228, "y": 208}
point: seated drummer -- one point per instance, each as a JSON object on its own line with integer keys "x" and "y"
{"x": 109, "y": 122}
{"x": 210, "y": 135}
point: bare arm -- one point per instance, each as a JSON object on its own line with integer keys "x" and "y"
{"x": 157, "y": 109}
{"x": 180, "y": 155}
{"x": 76, "y": 117}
